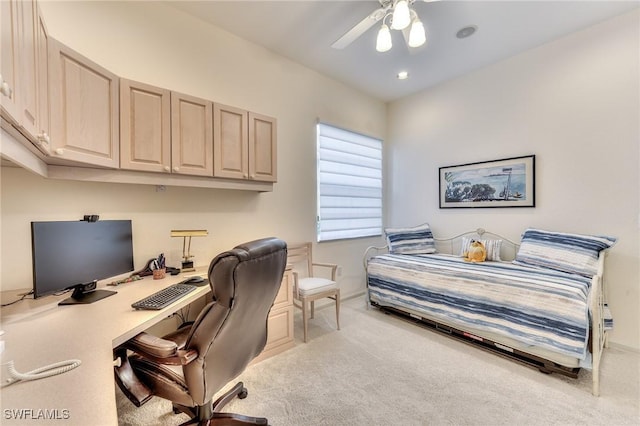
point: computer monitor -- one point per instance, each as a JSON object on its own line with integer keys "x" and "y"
{"x": 75, "y": 254}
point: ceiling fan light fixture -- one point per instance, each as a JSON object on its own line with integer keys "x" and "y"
{"x": 383, "y": 42}
{"x": 417, "y": 36}
{"x": 401, "y": 15}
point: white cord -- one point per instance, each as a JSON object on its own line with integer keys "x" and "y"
{"x": 39, "y": 373}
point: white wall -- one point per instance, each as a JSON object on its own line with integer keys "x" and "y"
{"x": 575, "y": 104}
{"x": 153, "y": 43}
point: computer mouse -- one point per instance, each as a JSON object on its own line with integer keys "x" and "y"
{"x": 196, "y": 280}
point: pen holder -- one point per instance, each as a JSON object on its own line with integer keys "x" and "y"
{"x": 159, "y": 274}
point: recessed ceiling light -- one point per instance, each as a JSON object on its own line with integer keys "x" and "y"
{"x": 403, "y": 75}
{"x": 466, "y": 31}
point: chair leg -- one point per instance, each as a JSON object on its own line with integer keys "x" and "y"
{"x": 338, "y": 309}
{"x": 313, "y": 308}
{"x": 304, "y": 319}
{"x": 238, "y": 390}
{"x": 230, "y": 419}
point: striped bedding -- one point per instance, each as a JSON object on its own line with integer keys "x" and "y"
{"x": 537, "y": 307}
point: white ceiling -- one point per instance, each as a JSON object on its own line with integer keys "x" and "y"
{"x": 305, "y": 30}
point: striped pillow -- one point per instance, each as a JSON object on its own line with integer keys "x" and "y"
{"x": 573, "y": 253}
{"x": 491, "y": 246}
{"x": 417, "y": 240}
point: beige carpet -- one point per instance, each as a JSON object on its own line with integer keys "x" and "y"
{"x": 380, "y": 370}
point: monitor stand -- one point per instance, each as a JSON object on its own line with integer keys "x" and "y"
{"x": 84, "y": 294}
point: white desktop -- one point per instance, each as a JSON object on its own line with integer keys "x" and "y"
{"x": 39, "y": 332}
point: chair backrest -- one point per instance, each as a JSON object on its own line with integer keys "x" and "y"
{"x": 232, "y": 330}
{"x": 299, "y": 256}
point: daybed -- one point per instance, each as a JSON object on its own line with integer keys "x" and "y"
{"x": 540, "y": 302}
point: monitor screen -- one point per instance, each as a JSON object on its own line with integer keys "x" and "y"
{"x": 66, "y": 254}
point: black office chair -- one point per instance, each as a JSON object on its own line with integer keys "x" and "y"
{"x": 190, "y": 365}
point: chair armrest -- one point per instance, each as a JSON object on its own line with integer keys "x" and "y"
{"x": 333, "y": 267}
{"x": 160, "y": 350}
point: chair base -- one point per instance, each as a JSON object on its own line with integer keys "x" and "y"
{"x": 210, "y": 414}
{"x": 227, "y": 419}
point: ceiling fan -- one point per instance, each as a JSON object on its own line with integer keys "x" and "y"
{"x": 400, "y": 16}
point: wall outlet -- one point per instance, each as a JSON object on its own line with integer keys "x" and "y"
{"x": 339, "y": 271}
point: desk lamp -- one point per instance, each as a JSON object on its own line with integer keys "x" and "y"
{"x": 187, "y": 264}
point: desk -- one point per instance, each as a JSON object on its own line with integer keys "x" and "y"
{"x": 39, "y": 332}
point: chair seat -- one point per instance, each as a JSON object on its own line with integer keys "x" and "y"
{"x": 312, "y": 285}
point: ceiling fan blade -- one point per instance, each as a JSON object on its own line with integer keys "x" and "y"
{"x": 359, "y": 29}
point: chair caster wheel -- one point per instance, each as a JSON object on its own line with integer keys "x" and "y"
{"x": 243, "y": 393}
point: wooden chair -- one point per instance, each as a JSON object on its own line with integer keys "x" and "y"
{"x": 307, "y": 287}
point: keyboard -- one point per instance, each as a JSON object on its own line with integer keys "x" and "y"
{"x": 164, "y": 297}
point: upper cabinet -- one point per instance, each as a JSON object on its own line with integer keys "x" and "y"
{"x": 24, "y": 84}
{"x": 262, "y": 148}
{"x": 164, "y": 131}
{"x": 10, "y": 61}
{"x": 230, "y": 142}
{"x": 191, "y": 135}
{"x": 244, "y": 144}
{"x": 145, "y": 127}
{"x": 43, "y": 140}
{"x": 78, "y": 113}
{"x": 28, "y": 59}
{"x": 84, "y": 109}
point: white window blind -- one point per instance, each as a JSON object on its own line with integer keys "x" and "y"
{"x": 349, "y": 184}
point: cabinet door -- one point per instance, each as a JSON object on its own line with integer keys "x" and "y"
{"x": 230, "y": 142}
{"x": 191, "y": 135}
{"x": 145, "y": 127}
{"x": 9, "y": 61}
{"x": 28, "y": 77}
{"x": 84, "y": 109}
{"x": 262, "y": 148}
{"x": 42, "y": 138}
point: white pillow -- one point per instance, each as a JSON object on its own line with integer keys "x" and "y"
{"x": 573, "y": 253}
{"x": 416, "y": 240}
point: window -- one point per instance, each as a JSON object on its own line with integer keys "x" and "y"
{"x": 349, "y": 184}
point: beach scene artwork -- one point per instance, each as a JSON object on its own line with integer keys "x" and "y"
{"x": 500, "y": 183}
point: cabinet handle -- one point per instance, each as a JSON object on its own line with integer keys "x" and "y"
{"x": 167, "y": 169}
{"x": 176, "y": 169}
{"x": 44, "y": 138}
{"x": 5, "y": 89}
{"x": 245, "y": 175}
{"x": 60, "y": 151}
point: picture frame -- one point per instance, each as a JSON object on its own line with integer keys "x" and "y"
{"x": 507, "y": 182}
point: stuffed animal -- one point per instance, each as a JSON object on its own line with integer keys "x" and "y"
{"x": 476, "y": 252}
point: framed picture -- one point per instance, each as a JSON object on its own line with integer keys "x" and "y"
{"x": 509, "y": 182}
